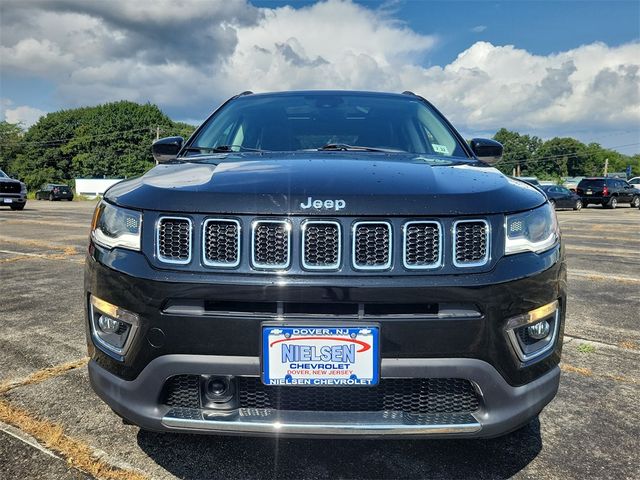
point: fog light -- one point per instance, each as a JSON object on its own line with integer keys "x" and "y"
{"x": 219, "y": 392}
{"x": 539, "y": 330}
{"x": 534, "y": 333}
{"x": 112, "y": 328}
{"x": 108, "y": 324}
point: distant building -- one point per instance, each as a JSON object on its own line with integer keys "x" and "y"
{"x": 94, "y": 187}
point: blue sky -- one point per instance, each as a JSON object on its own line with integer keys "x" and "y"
{"x": 546, "y": 68}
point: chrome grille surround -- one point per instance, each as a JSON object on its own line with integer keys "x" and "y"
{"x": 480, "y": 242}
{"x": 307, "y": 228}
{"x": 357, "y": 243}
{"x": 182, "y": 237}
{"x": 407, "y": 247}
{"x": 224, "y": 249}
{"x": 261, "y": 251}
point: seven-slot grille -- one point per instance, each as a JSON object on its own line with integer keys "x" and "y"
{"x": 321, "y": 242}
{"x": 221, "y": 242}
{"x": 471, "y": 241}
{"x": 372, "y": 245}
{"x": 271, "y": 244}
{"x": 174, "y": 240}
{"x": 422, "y": 245}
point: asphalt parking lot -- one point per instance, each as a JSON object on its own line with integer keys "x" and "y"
{"x": 59, "y": 429}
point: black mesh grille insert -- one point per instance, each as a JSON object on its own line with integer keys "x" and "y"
{"x": 372, "y": 245}
{"x": 10, "y": 187}
{"x": 271, "y": 244}
{"x": 419, "y": 395}
{"x": 182, "y": 391}
{"x": 321, "y": 245}
{"x": 221, "y": 242}
{"x": 410, "y": 395}
{"x": 422, "y": 245}
{"x": 471, "y": 242}
{"x": 174, "y": 240}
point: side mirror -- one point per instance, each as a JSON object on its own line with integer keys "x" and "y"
{"x": 166, "y": 149}
{"x": 487, "y": 150}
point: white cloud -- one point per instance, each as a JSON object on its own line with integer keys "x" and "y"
{"x": 479, "y": 28}
{"x": 198, "y": 54}
{"x": 22, "y": 114}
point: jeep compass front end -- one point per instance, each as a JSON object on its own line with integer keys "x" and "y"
{"x": 325, "y": 263}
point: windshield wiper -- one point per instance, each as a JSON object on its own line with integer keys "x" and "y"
{"x": 221, "y": 149}
{"x": 343, "y": 147}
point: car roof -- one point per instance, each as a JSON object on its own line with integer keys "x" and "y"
{"x": 368, "y": 93}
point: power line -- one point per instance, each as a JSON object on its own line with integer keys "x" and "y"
{"x": 58, "y": 142}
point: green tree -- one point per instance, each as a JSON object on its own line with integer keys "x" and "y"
{"x": 10, "y": 144}
{"x": 518, "y": 149}
{"x": 110, "y": 140}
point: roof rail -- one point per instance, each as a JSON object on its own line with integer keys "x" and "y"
{"x": 409, "y": 92}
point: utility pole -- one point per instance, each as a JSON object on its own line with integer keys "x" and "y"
{"x": 157, "y": 133}
{"x": 606, "y": 166}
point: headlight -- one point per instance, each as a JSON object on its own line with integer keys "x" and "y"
{"x": 532, "y": 231}
{"x": 23, "y": 188}
{"x": 116, "y": 227}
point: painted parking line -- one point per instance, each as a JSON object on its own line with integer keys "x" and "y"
{"x": 603, "y": 276}
{"x": 18, "y": 256}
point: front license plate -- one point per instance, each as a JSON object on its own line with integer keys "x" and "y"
{"x": 320, "y": 356}
{"x": 8, "y": 200}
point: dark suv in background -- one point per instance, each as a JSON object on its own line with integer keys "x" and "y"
{"x": 13, "y": 193}
{"x": 52, "y": 191}
{"x": 608, "y": 192}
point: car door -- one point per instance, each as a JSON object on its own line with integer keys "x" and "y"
{"x": 565, "y": 199}
{"x": 629, "y": 191}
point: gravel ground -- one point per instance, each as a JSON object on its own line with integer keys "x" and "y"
{"x": 589, "y": 430}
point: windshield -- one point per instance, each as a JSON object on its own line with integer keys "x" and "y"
{"x": 311, "y": 121}
{"x": 3, "y": 175}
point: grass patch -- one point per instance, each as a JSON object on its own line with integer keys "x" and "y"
{"x": 77, "y": 454}
{"x": 586, "y": 348}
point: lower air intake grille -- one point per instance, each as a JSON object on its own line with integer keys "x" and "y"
{"x": 372, "y": 245}
{"x": 410, "y": 395}
{"x": 321, "y": 245}
{"x": 422, "y": 245}
{"x": 471, "y": 243}
{"x": 271, "y": 244}
{"x": 221, "y": 243}
{"x": 174, "y": 240}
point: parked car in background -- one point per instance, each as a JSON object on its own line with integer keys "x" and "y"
{"x": 13, "y": 193}
{"x": 561, "y": 197}
{"x": 608, "y": 192}
{"x": 52, "y": 191}
{"x": 635, "y": 182}
{"x": 571, "y": 182}
{"x": 529, "y": 180}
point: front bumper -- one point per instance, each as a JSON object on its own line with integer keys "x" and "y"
{"x": 503, "y": 409}
{"x": 475, "y": 348}
{"x": 8, "y": 199}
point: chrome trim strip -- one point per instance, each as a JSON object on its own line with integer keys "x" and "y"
{"x": 257, "y": 265}
{"x": 431, "y": 266}
{"x": 354, "y": 228}
{"x": 290, "y": 422}
{"x": 164, "y": 259}
{"x": 487, "y": 255}
{"x": 334, "y": 266}
{"x": 511, "y": 333}
{"x": 204, "y": 238}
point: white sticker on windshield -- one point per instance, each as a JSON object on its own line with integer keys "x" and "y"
{"x": 440, "y": 148}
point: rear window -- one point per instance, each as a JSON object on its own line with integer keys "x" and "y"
{"x": 590, "y": 183}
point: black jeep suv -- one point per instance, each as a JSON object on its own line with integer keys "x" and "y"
{"x": 13, "y": 193}
{"x": 608, "y": 192}
{"x": 325, "y": 263}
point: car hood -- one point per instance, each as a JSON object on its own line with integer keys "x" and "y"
{"x": 366, "y": 183}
